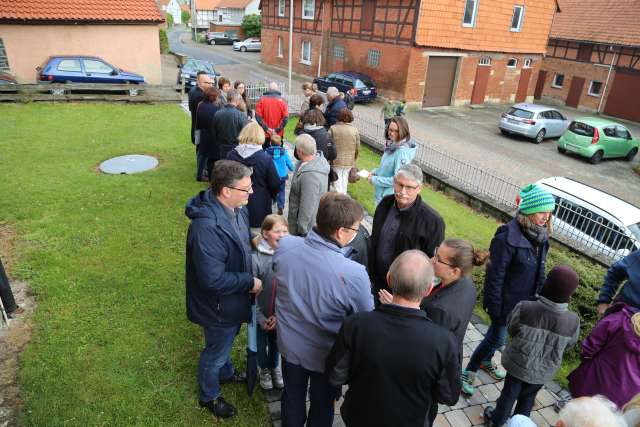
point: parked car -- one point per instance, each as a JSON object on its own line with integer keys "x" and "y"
{"x": 7, "y": 79}
{"x": 596, "y": 139}
{"x": 592, "y": 220}
{"x": 84, "y": 69}
{"x": 533, "y": 121}
{"x": 219, "y": 37}
{"x": 250, "y": 44}
{"x": 190, "y": 70}
{"x": 360, "y": 86}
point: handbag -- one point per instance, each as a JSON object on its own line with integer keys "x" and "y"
{"x": 333, "y": 175}
{"x": 197, "y": 135}
{"x": 353, "y": 175}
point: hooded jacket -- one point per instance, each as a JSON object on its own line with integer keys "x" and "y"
{"x": 218, "y": 276}
{"x": 262, "y": 267}
{"x": 264, "y": 179}
{"x": 391, "y": 161}
{"x": 281, "y": 160}
{"x": 308, "y": 184}
{"x": 610, "y": 358}
{"x": 627, "y": 269}
{"x": 227, "y": 124}
{"x": 515, "y": 271}
{"x": 272, "y": 112}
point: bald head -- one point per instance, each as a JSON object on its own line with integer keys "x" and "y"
{"x": 273, "y": 86}
{"x": 411, "y": 275}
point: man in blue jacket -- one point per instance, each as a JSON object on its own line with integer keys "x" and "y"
{"x": 336, "y": 104}
{"x": 627, "y": 269}
{"x": 218, "y": 276}
{"x": 318, "y": 286}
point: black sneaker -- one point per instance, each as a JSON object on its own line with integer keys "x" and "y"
{"x": 237, "y": 377}
{"x": 488, "y": 414}
{"x": 219, "y": 407}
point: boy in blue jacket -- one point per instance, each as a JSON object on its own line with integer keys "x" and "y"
{"x": 283, "y": 165}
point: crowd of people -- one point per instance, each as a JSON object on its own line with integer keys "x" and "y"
{"x": 384, "y": 313}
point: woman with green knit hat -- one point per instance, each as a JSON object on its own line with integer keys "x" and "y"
{"x": 515, "y": 273}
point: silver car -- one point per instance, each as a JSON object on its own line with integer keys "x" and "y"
{"x": 252, "y": 43}
{"x": 533, "y": 121}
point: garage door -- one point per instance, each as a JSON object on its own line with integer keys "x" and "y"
{"x": 441, "y": 74}
{"x": 623, "y": 97}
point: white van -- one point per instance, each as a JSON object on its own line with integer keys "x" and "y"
{"x": 593, "y": 221}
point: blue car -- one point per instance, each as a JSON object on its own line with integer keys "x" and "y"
{"x": 84, "y": 69}
{"x": 358, "y": 85}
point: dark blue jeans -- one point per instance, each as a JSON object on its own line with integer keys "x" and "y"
{"x": 322, "y": 397}
{"x": 215, "y": 360}
{"x": 513, "y": 390}
{"x": 494, "y": 339}
{"x": 281, "y": 193}
{"x": 268, "y": 354}
{"x": 201, "y": 165}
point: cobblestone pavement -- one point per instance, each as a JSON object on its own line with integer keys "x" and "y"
{"x": 468, "y": 410}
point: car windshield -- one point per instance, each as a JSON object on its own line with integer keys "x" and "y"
{"x": 517, "y": 112}
{"x": 193, "y": 66}
{"x": 363, "y": 83}
{"x": 582, "y": 129}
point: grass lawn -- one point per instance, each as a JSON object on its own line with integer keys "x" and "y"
{"x": 463, "y": 222}
{"x": 105, "y": 256}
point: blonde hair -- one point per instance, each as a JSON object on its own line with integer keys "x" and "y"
{"x": 526, "y": 222}
{"x": 252, "y": 133}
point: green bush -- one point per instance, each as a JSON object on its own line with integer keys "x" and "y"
{"x": 164, "y": 41}
{"x": 169, "y": 20}
{"x": 252, "y": 25}
{"x": 185, "y": 16}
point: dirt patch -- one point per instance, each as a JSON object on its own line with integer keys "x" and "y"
{"x": 13, "y": 337}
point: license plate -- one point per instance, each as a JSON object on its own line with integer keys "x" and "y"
{"x": 573, "y": 148}
{"x": 514, "y": 121}
{"x": 366, "y": 92}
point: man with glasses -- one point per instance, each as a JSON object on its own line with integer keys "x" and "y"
{"x": 196, "y": 94}
{"x": 318, "y": 286}
{"x": 402, "y": 221}
{"x": 218, "y": 276}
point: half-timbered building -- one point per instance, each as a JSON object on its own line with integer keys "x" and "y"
{"x": 427, "y": 52}
{"x": 593, "y": 58}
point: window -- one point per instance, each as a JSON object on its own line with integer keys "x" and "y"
{"x": 595, "y": 88}
{"x": 470, "y": 11}
{"x": 512, "y": 62}
{"x": 584, "y": 52}
{"x": 306, "y": 53}
{"x": 527, "y": 63}
{"x": 373, "y": 57}
{"x": 558, "y": 80}
{"x": 91, "y": 66}
{"x": 4, "y": 61}
{"x": 338, "y": 52}
{"x": 516, "y": 19}
{"x": 555, "y": 115}
{"x": 518, "y": 112}
{"x": 308, "y": 9}
{"x": 280, "y": 47}
{"x": 280, "y": 7}
{"x": 621, "y": 132}
{"x": 367, "y": 16}
{"x": 485, "y": 60}
{"x": 70, "y": 65}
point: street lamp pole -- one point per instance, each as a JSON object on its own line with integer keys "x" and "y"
{"x": 194, "y": 20}
{"x": 290, "y": 44}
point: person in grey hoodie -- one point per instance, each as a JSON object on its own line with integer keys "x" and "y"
{"x": 308, "y": 184}
{"x": 274, "y": 227}
{"x": 318, "y": 286}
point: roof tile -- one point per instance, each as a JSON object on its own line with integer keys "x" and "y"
{"x": 80, "y": 10}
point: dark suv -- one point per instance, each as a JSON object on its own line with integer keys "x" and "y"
{"x": 358, "y": 85}
{"x": 218, "y": 37}
{"x": 190, "y": 70}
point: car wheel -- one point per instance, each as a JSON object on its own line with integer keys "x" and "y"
{"x": 243, "y": 49}
{"x": 561, "y": 150}
{"x": 504, "y": 132}
{"x": 540, "y": 136}
{"x": 212, "y": 42}
{"x": 631, "y": 154}
{"x": 595, "y": 159}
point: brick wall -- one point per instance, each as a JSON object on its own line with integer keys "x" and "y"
{"x": 570, "y": 69}
{"x": 440, "y": 25}
{"x": 270, "y": 51}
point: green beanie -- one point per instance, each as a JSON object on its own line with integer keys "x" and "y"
{"x": 534, "y": 199}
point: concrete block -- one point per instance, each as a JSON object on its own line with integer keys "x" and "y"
{"x": 490, "y": 392}
{"x": 475, "y": 414}
{"x": 545, "y": 398}
{"x": 441, "y": 421}
{"x": 457, "y": 418}
{"x": 549, "y": 415}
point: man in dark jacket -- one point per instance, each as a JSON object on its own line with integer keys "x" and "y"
{"x": 402, "y": 221}
{"x": 336, "y": 104}
{"x": 398, "y": 364}
{"x": 218, "y": 276}
{"x": 195, "y": 96}
{"x": 627, "y": 269}
{"x": 228, "y": 123}
{"x": 272, "y": 113}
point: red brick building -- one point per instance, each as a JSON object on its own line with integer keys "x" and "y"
{"x": 428, "y": 52}
{"x": 593, "y": 58}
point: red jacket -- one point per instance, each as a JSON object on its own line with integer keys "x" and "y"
{"x": 272, "y": 113}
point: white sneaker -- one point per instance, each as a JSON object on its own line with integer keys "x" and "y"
{"x": 265, "y": 379}
{"x": 277, "y": 377}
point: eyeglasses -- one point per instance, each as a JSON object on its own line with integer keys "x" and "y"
{"x": 207, "y": 83}
{"x": 352, "y": 229}
{"x": 248, "y": 191}
{"x": 405, "y": 187}
{"x": 437, "y": 258}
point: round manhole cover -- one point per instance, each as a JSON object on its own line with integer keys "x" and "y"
{"x": 131, "y": 163}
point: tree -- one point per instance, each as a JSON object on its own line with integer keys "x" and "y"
{"x": 169, "y": 20}
{"x": 185, "y": 16}
{"x": 252, "y": 25}
{"x": 164, "y": 41}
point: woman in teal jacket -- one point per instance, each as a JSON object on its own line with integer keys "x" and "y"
{"x": 399, "y": 150}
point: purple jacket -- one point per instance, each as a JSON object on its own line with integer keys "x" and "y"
{"x": 610, "y": 358}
